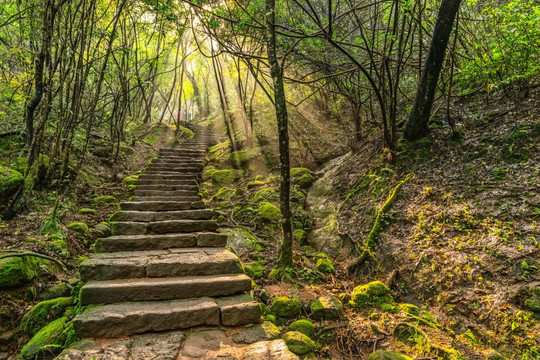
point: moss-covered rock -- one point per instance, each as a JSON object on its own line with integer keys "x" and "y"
{"x": 269, "y": 212}
{"x": 56, "y": 291}
{"x": 371, "y": 294}
{"x": 254, "y": 270}
{"x": 387, "y": 355}
{"x": 87, "y": 211}
{"x": 255, "y": 184}
{"x": 304, "y": 181}
{"x": 43, "y": 313}
{"x": 243, "y": 212}
{"x": 428, "y": 316}
{"x": 324, "y": 264}
{"x": 130, "y": 180}
{"x": 304, "y": 326}
{"x": 268, "y": 194}
{"x": 326, "y": 308}
{"x": 408, "y": 334}
{"x": 10, "y": 181}
{"x": 409, "y": 309}
{"x": 299, "y": 343}
{"x": 103, "y": 230}
{"x": 533, "y": 300}
{"x": 225, "y": 177}
{"x": 299, "y": 171}
{"x": 107, "y": 199}
{"x": 224, "y": 193}
{"x": 18, "y": 270}
{"x": 286, "y": 307}
{"x": 48, "y": 340}
{"x": 78, "y": 227}
{"x": 301, "y": 236}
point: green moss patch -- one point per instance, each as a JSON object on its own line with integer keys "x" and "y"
{"x": 301, "y": 236}
{"x": 374, "y": 293}
{"x": 48, "y": 340}
{"x": 268, "y": 194}
{"x": 130, "y": 180}
{"x": 533, "y": 301}
{"x": 223, "y": 177}
{"x": 286, "y": 307}
{"x": 107, "y": 199}
{"x": 87, "y": 211}
{"x": 254, "y": 270}
{"x": 43, "y": 313}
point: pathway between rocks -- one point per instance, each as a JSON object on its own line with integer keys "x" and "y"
{"x": 164, "y": 286}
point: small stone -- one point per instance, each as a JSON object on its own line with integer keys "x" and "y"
{"x": 371, "y": 294}
{"x": 198, "y": 343}
{"x": 157, "y": 346}
{"x": 264, "y": 331}
{"x": 286, "y": 307}
{"x": 326, "y": 308}
{"x": 299, "y": 343}
{"x": 304, "y": 326}
{"x": 387, "y": 355}
{"x": 78, "y": 227}
{"x": 87, "y": 211}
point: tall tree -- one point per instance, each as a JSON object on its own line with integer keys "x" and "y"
{"x": 280, "y": 105}
{"x": 416, "y": 127}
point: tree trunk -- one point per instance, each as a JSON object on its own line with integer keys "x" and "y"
{"x": 416, "y": 126}
{"x": 285, "y": 256}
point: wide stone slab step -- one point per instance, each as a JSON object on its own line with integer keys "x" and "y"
{"x": 159, "y": 205}
{"x": 168, "y": 187}
{"x": 162, "y": 227}
{"x": 165, "y": 193}
{"x": 130, "y": 318}
{"x": 161, "y": 176}
{"x": 185, "y": 198}
{"x": 148, "y": 216}
{"x": 175, "y": 167}
{"x": 151, "y": 289}
{"x": 160, "y": 242}
{"x": 187, "y": 262}
{"x": 158, "y": 182}
{"x": 160, "y": 171}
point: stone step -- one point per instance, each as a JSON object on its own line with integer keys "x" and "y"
{"x": 158, "y": 205}
{"x": 152, "y": 171}
{"x": 158, "y": 176}
{"x": 177, "y": 158}
{"x": 160, "y": 264}
{"x": 151, "y": 289}
{"x": 182, "y": 152}
{"x": 175, "y": 167}
{"x": 138, "y": 198}
{"x": 165, "y": 193}
{"x": 149, "y": 216}
{"x": 158, "y": 182}
{"x": 130, "y": 318}
{"x": 124, "y": 319}
{"x": 168, "y": 186}
{"x": 162, "y": 227}
{"x": 160, "y": 242}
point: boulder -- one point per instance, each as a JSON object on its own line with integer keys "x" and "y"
{"x": 78, "y": 227}
{"x": 304, "y": 326}
{"x": 374, "y": 293}
{"x": 18, "y": 271}
{"x": 299, "y": 343}
{"x": 286, "y": 307}
{"x": 326, "y": 308}
{"x": 269, "y": 212}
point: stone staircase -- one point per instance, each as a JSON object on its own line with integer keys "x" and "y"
{"x": 165, "y": 268}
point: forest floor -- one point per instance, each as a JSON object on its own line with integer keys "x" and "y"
{"x": 460, "y": 243}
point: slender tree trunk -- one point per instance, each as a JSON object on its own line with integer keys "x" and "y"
{"x": 285, "y": 256}
{"x": 416, "y": 126}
